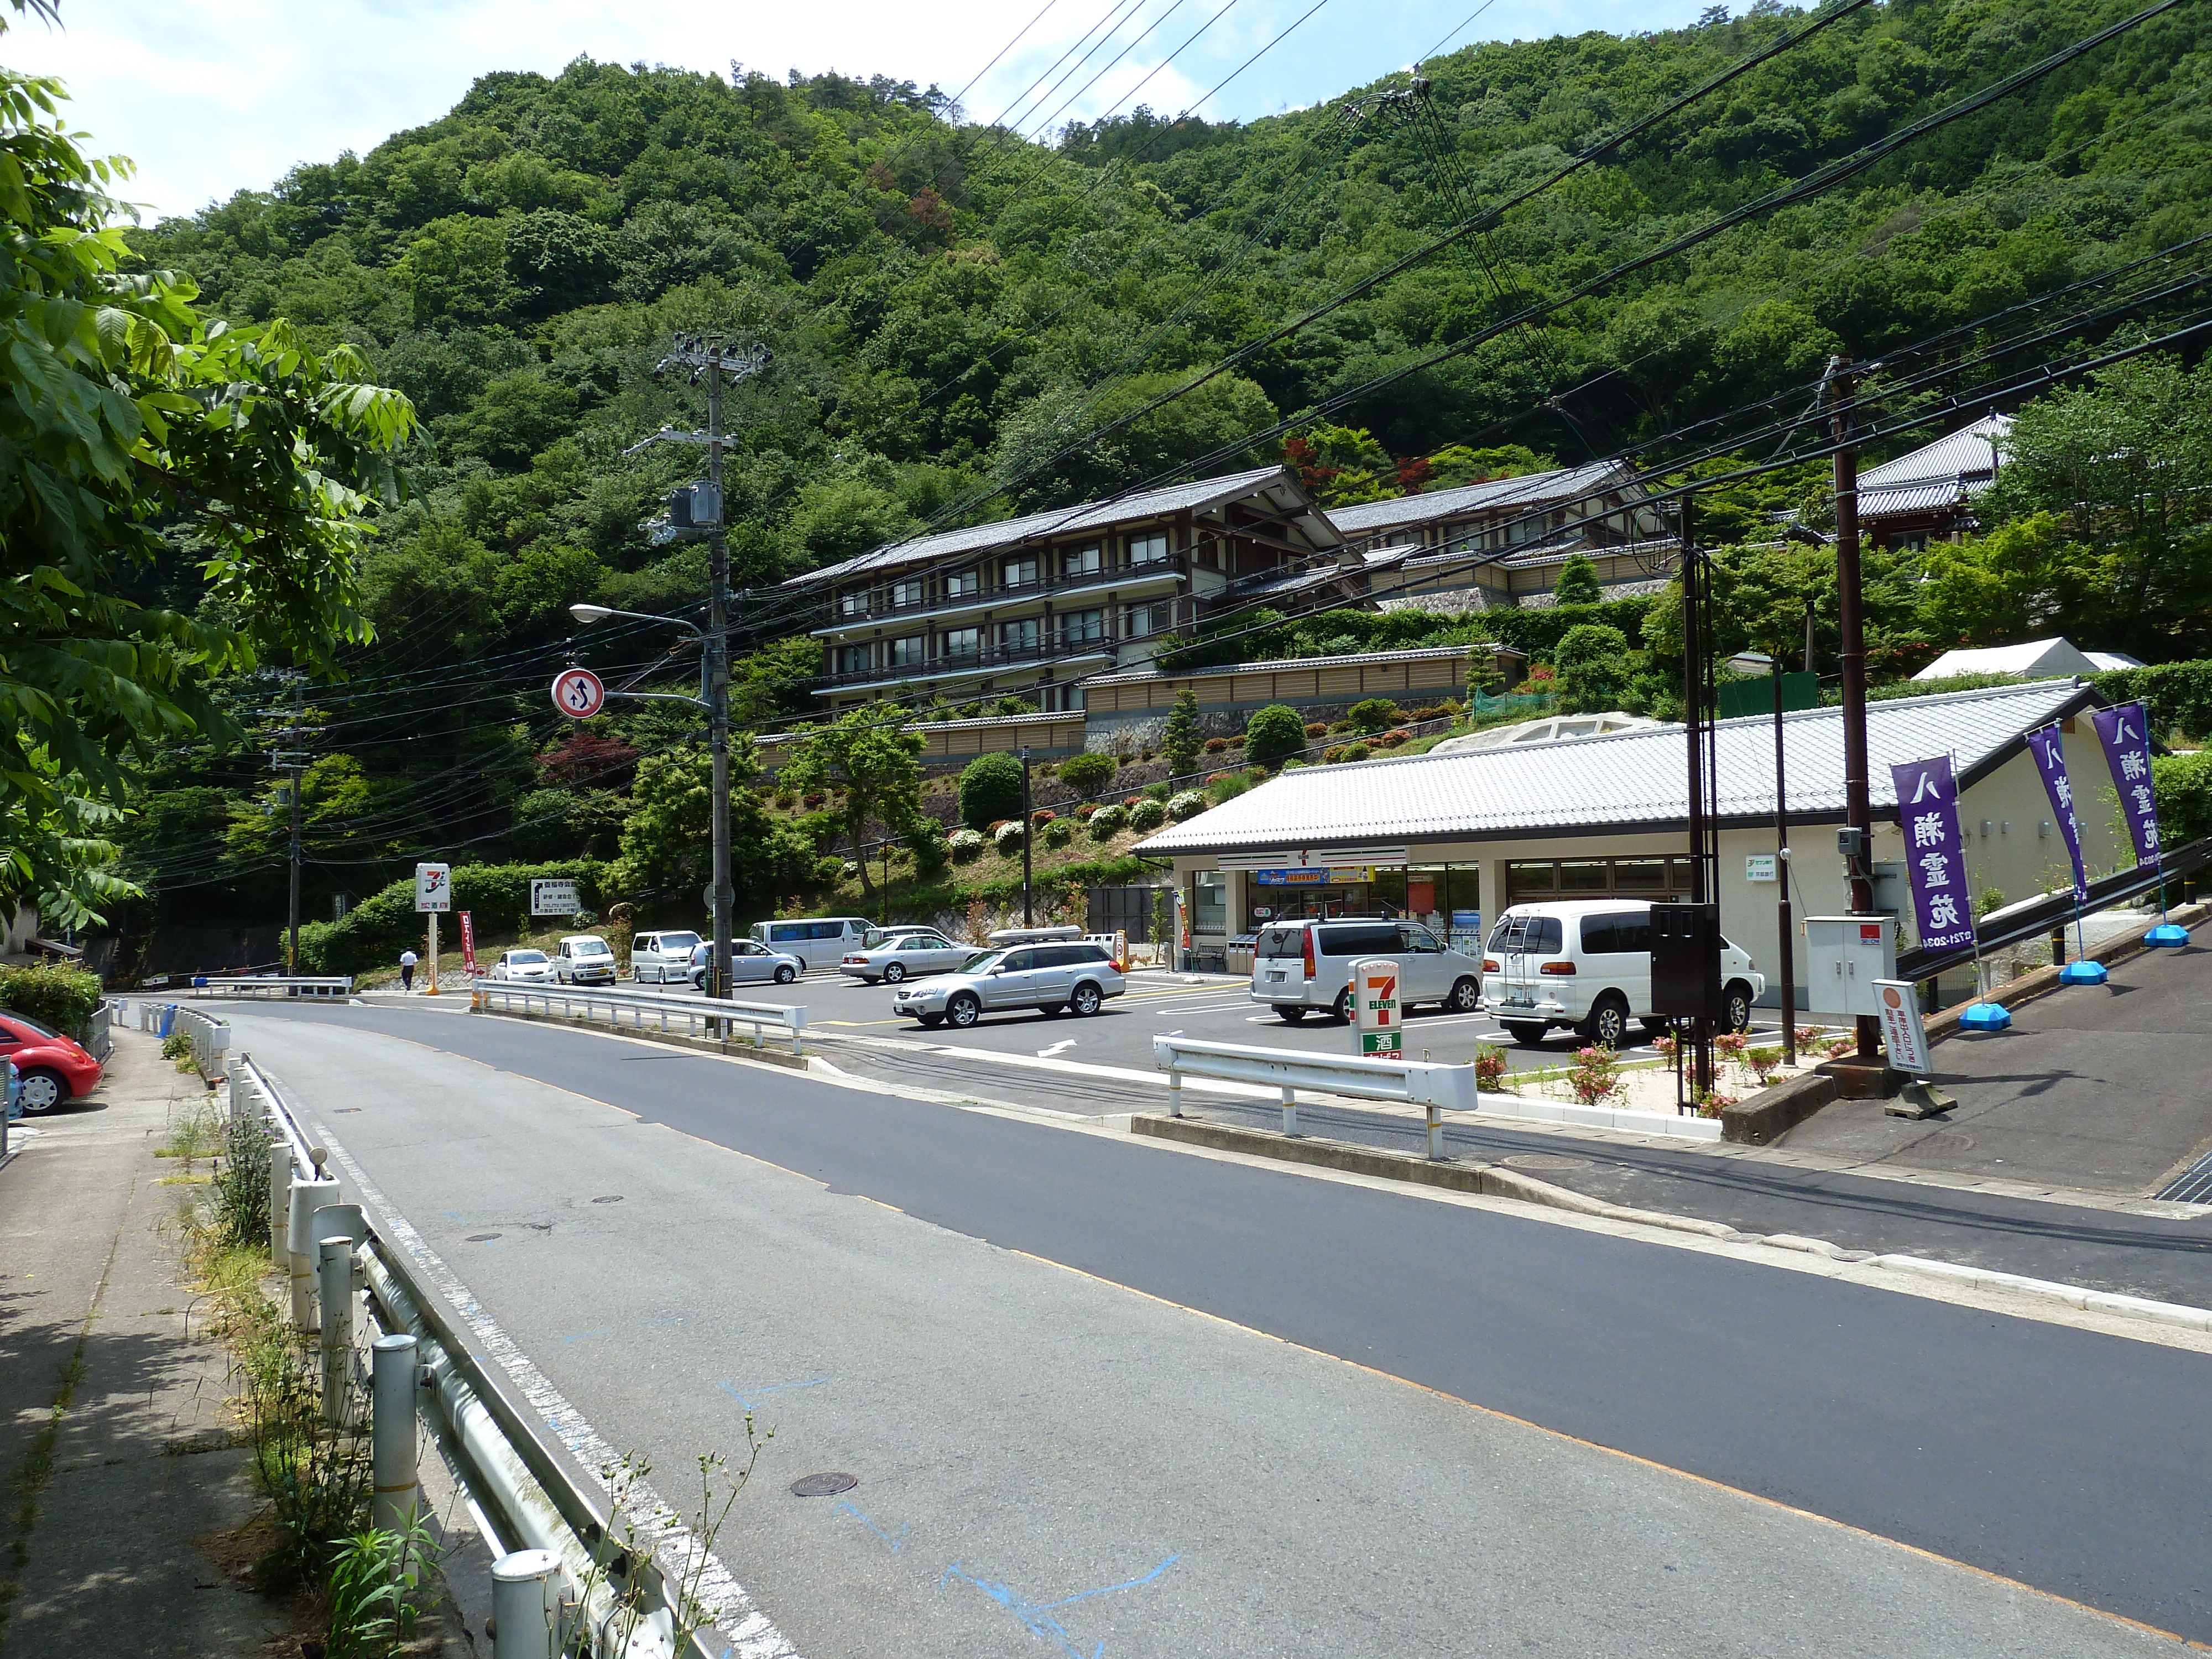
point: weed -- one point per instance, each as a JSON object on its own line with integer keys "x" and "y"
{"x": 178, "y": 1046}
{"x": 1764, "y": 1063}
{"x": 195, "y": 1135}
{"x": 374, "y": 1581}
{"x": 241, "y": 1185}
{"x": 1490, "y": 1068}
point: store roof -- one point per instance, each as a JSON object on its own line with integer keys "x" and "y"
{"x": 1633, "y": 780}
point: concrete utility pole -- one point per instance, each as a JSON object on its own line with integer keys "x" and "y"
{"x": 293, "y": 762}
{"x": 1025, "y": 835}
{"x": 1850, "y": 623}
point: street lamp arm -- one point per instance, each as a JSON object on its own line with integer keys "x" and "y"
{"x": 661, "y": 697}
{"x": 589, "y": 614}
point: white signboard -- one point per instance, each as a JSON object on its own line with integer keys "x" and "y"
{"x": 1375, "y": 1000}
{"x": 433, "y": 887}
{"x": 1902, "y": 1033}
{"x": 554, "y": 898}
{"x": 1758, "y": 866}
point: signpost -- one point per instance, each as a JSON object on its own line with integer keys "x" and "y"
{"x": 434, "y": 892}
{"x": 554, "y": 898}
{"x": 1375, "y": 1000}
{"x": 578, "y": 693}
{"x": 1906, "y": 1039}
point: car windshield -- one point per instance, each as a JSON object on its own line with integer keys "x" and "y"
{"x": 30, "y": 1025}
{"x": 522, "y": 958}
{"x": 672, "y": 943}
{"x": 591, "y": 947}
{"x": 981, "y": 960}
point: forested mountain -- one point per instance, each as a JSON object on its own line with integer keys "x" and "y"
{"x": 949, "y": 307}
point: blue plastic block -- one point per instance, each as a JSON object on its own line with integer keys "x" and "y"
{"x": 1984, "y": 1016}
{"x": 2081, "y": 972}
{"x": 2171, "y": 934}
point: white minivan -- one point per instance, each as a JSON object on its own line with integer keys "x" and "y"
{"x": 1587, "y": 964}
{"x": 819, "y": 942}
{"x": 657, "y": 959}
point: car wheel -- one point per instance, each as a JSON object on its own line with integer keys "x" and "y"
{"x": 1342, "y": 1012}
{"x": 931, "y": 1019}
{"x": 1050, "y": 1009}
{"x": 1465, "y": 994}
{"x": 784, "y": 974}
{"x": 1607, "y": 1024}
{"x": 1290, "y": 1016}
{"x": 894, "y": 971}
{"x": 1087, "y": 1001}
{"x": 964, "y": 1010}
{"x": 1735, "y": 1013}
{"x": 43, "y": 1090}
{"x": 1527, "y": 1033}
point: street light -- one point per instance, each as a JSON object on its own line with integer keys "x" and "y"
{"x": 1756, "y": 663}
{"x": 715, "y": 684}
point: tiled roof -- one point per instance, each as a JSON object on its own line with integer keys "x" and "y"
{"x": 1066, "y": 520}
{"x": 1914, "y": 498}
{"x": 1529, "y": 489}
{"x": 1632, "y": 780}
{"x": 1969, "y": 454}
{"x": 1288, "y": 664}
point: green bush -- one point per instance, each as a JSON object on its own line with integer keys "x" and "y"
{"x": 1274, "y": 734}
{"x": 2178, "y": 694}
{"x": 1107, "y": 821}
{"x": 498, "y": 896}
{"x": 991, "y": 789}
{"x": 1087, "y": 775}
{"x": 1147, "y": 814}
{"x": 2183, "y": 783}
{"x": 1058, "y": 833}
{"x": 63, "y": 998}
{"x": 966, "y": 846}
{"x": 1374, "y": 714}
{"x": 1186, "y": 804}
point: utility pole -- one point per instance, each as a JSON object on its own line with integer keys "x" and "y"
{"x": 293, "y": 762}
{"x": 1025, "y": 835}
{"x": 718, "y": 680}
{"x": 1782, "y": 871}
{"x": 1850, "y": 622}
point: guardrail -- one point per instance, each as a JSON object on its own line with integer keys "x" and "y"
{"x": 567, "y": 1583}
{"x": 210, "y": 1036}
{"x": 1422, "y": 1083}
{"x": 639, "y": 1010}
{"x": 269, "y": 985}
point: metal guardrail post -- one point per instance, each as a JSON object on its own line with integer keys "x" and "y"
{"x": 1290, "y": 1111}
{"x": 1174, "y": 1094}
{"x": 308, "y": 1197}
{"x": 1435, "y": 1125}
{"x": 335, "y": 1313}
{"x": 395, "y": 1492}
{"x": 525, "y": 1609}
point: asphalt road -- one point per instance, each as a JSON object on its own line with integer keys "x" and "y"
{"x": 1025, "y": 1435}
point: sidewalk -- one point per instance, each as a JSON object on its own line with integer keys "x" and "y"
{"x": 123, "y": 1486}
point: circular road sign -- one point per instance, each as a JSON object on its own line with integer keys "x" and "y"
{"x": 578, "y": 694}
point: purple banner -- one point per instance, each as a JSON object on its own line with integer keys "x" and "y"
{"x": 2125, "y": 734}
{"x": 2048, "y": 745}
{"x": 1935, "y": 853}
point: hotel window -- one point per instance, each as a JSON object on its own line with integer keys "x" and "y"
{"x": 1151, "y": 548}
{"x": 1146, "y": 620}
{"x": 851, "y": 659}
{"x": 1083, "y": 627}
{"x": 964, "y": 584}
{"x": 906, "y": 593}
{"x": 853, "y": 605}
{"x": 910, "y": 652}
{"x": 1018, "y": 573}
{"x": 964, "y": 641}
{"x": 1080, "y": 562}
{"x": 1021, "y": 635}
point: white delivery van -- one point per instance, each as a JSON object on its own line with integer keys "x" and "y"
{"x": 1587, "y": 964}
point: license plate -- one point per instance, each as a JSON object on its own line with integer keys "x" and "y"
{"x": 1520, "y": 1002}
{"x": 1275, "y": 976}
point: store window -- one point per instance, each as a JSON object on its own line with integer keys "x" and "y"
{"x": 1209, "y": 912}
{"x": 1537, "y": 879}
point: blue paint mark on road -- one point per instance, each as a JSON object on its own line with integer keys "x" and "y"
{"x": 745, "y": 1397}
{"x": 894, "y": 1544}
{"x": 1037, "y": 1615}
{"x": 580, "y": 1336}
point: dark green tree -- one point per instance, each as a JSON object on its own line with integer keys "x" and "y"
{"x": 1088, "y": 774}
{"x": 1578, "y": 583}
{"x": 1182, "y": 741}
{"x": 869, "y": 764}
{"x": 1275, "y": 735}
{"x": 990, "y": 790}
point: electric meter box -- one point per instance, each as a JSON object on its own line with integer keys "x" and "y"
{"x": 1845, "y": 956}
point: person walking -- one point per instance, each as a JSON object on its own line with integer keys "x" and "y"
{"x": 407, "y": 960}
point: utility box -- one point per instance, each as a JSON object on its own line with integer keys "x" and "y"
{"x": 1845, "y": 956}
{"x": 1686, "y": 962}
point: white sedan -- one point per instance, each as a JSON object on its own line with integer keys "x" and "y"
{"x": 523, "y": 964}
{"x": 904, "y": 956}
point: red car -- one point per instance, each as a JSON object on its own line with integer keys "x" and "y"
{"x": 55, "y": 1068}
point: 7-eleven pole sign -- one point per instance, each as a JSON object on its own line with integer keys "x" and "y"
{"x": 1375, "y": 995}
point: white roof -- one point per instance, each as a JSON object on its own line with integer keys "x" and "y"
{"x": 1290, "y": 496}
{"x": 2108, "y": 660}
{"x": 1530, "y": 490}
{"x": 1940, "y": 474}
{"x": 2041, "y": 657}
{"x": 1634, "y": 781}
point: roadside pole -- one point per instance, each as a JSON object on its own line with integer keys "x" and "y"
{"x": 299, "y": 775}
{"x": 1025, "y": 835}
{"x": 1850, "y": 622}
{"x": 717, "y": 647}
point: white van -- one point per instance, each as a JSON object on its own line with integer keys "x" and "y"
{"x": 657, "y": 959}
{"x": 820, "y": 942}
{"x": 1306, "y": 967}
{"x": 1588, "y": 964}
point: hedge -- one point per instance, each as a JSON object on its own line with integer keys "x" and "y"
{"x": 2183, "y": 783}
{"x": 498, "y": 896}
{"x": 60, "y": 998}
{"x": 2178, "y": 694}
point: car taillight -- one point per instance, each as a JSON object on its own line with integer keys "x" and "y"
{"x": 1562, "y": 968}
{"x": 1309, "y": 952}
{"x": 861, "y": 960}
{"x": 1490, "y": 964}
{"x": 1117, "y": 967}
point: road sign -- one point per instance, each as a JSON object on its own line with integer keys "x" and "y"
{"x": 433, "y": 887}
{"x": 468, "y": 943}
{"x": 578, "y": 694}
{"x": 1759, "y": 866}
{"x": 554, "y": 898}
{"x": 1374, "y": 998}
{"x": 1902, "y": 1033}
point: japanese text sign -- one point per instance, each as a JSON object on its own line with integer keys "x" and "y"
{"x": 1935, "y": 853}
{"x": 2125, "y": 734}
{"x": 1375, "y": 996}
{"x": 433, "y": 887}
{"x": 2048, "y": 745}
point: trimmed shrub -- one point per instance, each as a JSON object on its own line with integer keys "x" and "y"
{"x": 1216, "y": 745}
{"x": 1354, "y": 751}
{"x": 1236, "y": 740}
{"x": 2183, "y": 783}
{"x": 1147, "y": 815}
{"x": 966, "y": 846}
{"x": 1333, "y": 754}
{"x": 1316, "y": 728}
{"x": 1130, "y": 800}
{"x": 1107, "y": 821}
{"x": 1009, "y": 837}
{"x": 1274, "y": 734}
{"x": 1058, "y": 833}
{"x": 1188, "y": 804}
{"x": 990, "y": 790}
{"x": 1041, "y": 817}
{"x": 1088, "y": 774}
{"x": 1392, "y": 739}
{"x": 55, "y": 996}
{"x": 1373, "y": 714}
{"x": 1086, "y": 809}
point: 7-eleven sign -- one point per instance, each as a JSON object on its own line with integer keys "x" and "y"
{"x": 1375, "y": 996}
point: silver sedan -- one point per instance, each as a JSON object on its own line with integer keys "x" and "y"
{"x": 751, "y": 962}
{"x": 904, "y": 955}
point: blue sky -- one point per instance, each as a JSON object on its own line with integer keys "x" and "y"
{"x": 212, "y": 96}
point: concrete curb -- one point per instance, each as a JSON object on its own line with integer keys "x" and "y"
{"x": 736, "y": 1048}
{"x": 1766, "y": 1116}
{"x": 1495, "y": 1181}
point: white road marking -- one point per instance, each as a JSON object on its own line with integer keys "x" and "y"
{"x": 683, "y": 1558}
{"x": 1060, "y": 1047}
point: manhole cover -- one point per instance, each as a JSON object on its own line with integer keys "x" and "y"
{"x": 1945, "y": 1140}
{"x": 1545, "y": 1161}
{"x": 481, "y": 1238}
{"x": 824, "y": 1485}
{"x": 611, "y": 1198}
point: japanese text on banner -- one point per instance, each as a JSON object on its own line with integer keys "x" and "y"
{"x": 2048, "y": 745}
{"x": 1935, "y": 853}
{"x": 2125, "y": 734}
